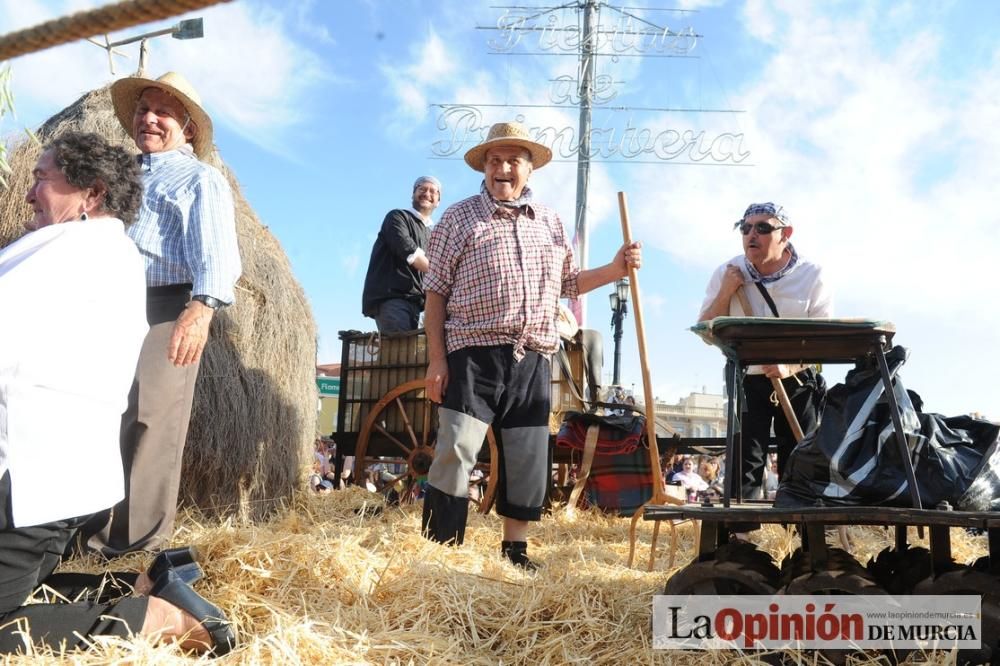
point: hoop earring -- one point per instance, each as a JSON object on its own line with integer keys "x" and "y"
{"x": 83, "y": 216}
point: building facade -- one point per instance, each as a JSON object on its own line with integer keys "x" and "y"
{"x": 697, "y": 415}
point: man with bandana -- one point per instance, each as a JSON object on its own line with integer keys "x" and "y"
{"x": 778, "y": 282}
{"x": 499, "y": 262}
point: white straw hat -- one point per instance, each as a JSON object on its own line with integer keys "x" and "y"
{"x": 508, "y": 134}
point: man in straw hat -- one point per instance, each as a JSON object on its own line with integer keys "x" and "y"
{"x": 499, "y": 262}
{"x": 394, "y": 290}
{"x": 777, "y": 283}
{"x": 186, "y": 232}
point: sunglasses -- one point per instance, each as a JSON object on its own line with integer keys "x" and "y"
{"x": 760, "y": 227}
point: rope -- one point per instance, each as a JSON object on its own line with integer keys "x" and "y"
{"x": 99, "y": 21}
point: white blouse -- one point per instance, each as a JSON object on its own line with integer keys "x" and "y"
{"x": 73, "y": 303}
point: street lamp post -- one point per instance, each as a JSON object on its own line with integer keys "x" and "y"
{"x": 619, "y": 308}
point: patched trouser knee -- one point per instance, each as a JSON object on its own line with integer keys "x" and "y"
{"x": 524, "y": 471}
{"x": 459, "y": 439}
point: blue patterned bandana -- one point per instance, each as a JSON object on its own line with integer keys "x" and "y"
{"x": 777, "y": 275}
{"x": 766, "y": 208}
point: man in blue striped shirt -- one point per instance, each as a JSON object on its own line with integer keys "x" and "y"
{"x": 186, "y": 233}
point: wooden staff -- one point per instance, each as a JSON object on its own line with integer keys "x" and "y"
{"x": 659, "y": 494}
{"x": 779, "y": 388}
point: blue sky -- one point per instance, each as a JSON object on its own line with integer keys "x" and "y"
{"x": 874, "y": 124}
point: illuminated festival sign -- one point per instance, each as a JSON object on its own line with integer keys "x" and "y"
{"x": 626, "y": 36}
{"x": 525, "y": 31}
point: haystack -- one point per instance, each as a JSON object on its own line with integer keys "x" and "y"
{"x": 255, "y": 403}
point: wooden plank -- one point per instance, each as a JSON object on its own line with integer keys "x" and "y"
{"x": 866, "y": 515}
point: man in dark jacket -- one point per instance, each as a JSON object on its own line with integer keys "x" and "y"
{"x": 394, "y": 291}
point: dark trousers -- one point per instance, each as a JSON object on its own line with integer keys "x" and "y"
{"x": 760, "y": 413}
{"x": 487, "y": 387}
{"x": 28, "y": 555}
{"x": 154, "y": 430}
{"x": 397, "y": 315}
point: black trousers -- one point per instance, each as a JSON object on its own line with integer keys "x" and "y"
{"x": 96, "y": 604}
{"x": 760, "y": 413}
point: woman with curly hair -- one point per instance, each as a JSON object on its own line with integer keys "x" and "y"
{"x": 73, "y": 296}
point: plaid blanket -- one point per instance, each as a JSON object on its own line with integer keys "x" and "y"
{"x": 620, "y": 483}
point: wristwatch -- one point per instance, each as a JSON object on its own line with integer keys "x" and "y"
{"x": 209, "y": 301}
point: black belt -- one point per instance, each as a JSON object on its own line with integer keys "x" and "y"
{"x": 169, "y": 290}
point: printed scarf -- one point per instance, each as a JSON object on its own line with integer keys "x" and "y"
{"x": 773, "y": 277}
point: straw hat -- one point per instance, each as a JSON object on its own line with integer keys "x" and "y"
{"x": 508, "y": 134}
{"x": 125, "y": 97}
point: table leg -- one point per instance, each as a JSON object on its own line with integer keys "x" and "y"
{"x": 732, "y": 468}
{"x": 897, "y": 423}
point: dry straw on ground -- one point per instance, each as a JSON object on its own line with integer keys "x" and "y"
{"x": 332, "y": 581}
{"x": 255, "y": 406}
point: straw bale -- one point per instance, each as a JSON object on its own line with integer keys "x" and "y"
{"x": 330, "y": 580}
{"x": 254, "y": 414}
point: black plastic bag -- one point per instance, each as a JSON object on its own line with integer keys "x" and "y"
{"x": 852, "y": 458}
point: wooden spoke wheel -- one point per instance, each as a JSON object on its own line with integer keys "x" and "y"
{"x": 398, "y": 439}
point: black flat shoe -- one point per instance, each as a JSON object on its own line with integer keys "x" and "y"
{"x": 182, "y": 560}
{"x": 517, "y": 553}
{"x": 172, "y": 589}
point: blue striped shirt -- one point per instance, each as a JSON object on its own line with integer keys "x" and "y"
{"x": 186, "y": 230}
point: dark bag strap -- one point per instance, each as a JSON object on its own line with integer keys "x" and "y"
{"x": 589, "y": 448}
{"x": 767, "y": 297}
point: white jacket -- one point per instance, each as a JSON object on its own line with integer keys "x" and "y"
{"x": 73, "y": 308}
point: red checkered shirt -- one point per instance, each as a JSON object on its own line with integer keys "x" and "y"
{"x": 501, "y": 271}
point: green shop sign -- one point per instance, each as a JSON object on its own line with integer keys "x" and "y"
{"x": 329, "y": 387}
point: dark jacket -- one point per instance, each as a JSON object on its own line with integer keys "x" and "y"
{"x": 389, "y": 276}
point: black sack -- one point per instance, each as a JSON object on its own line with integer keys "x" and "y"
{"x": 852, "y": 458}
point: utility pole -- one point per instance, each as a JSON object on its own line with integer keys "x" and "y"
{"x": 587, "y": 68}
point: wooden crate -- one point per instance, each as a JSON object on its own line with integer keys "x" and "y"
{"x": 371, "y": 366}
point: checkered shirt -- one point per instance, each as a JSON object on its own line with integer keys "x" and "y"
{"x": 501, "y": 271}
{"x": 186, "y": 229}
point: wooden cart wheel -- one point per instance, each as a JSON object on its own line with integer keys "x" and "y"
{"x": 408, "y": 419}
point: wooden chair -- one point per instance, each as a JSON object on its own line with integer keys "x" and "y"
{"x": 674, "y": 495}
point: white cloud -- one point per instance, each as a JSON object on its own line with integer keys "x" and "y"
{"x": 252, "y": 72}
{"x": 351, "y": 261}
{"x": 430, "y": 71}
{"x": 846, "y": 136}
